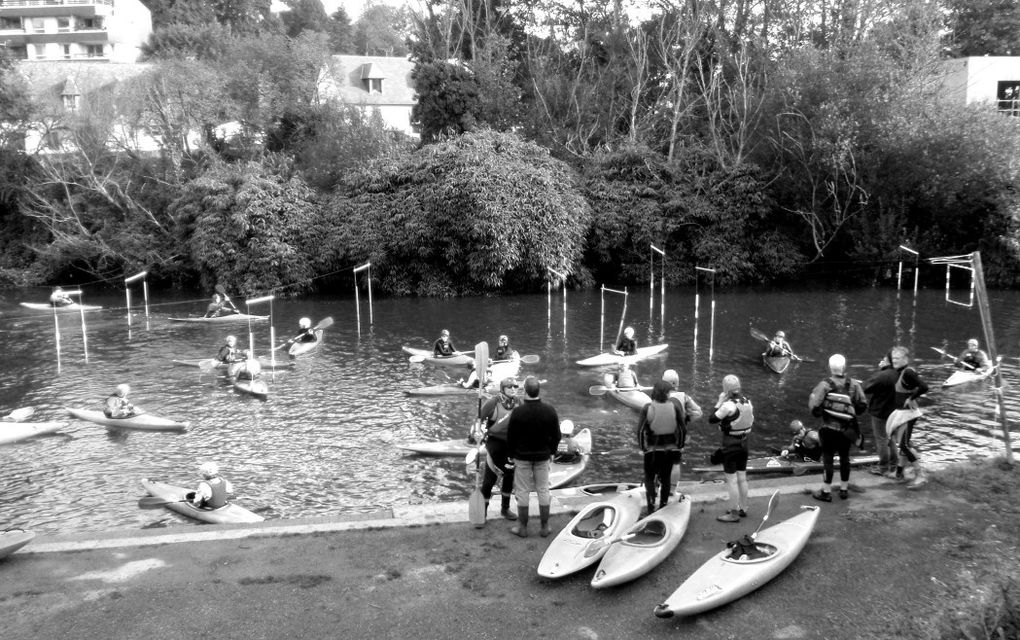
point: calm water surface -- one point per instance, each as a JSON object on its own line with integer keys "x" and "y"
{"x": 322, "y": 443}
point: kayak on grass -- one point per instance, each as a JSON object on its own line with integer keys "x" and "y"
{"x": 256, "y": 388}
{"x": 776, "y": 364}
{"x": 606, "y": 359}
{"x": 644, "y": 545}
{"x": 13, "y": 539}
{"x": 212, "y": 363}
{"x": 724, "y": 579}
{"x": 141, "y": 422}
{"x": 178, "y": 503}
{"x": 16, "y": 431}
{"x": 46, "y": 306}
{"x": 227, "y": 319}
{"x": 301, "y": 348}
{"x": 777, "y": 464}
{"x": 583, "y": 541}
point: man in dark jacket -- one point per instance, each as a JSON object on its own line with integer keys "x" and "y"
{"x": 533, "y": 433}
{"x": 880, "y": 389}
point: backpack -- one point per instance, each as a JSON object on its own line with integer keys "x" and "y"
{"x": 840, "y": 403}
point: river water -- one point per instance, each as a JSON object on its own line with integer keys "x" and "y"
{"x": 323, "y": 443}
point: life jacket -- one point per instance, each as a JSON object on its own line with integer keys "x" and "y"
{"x": 499, "y": 421}
{"x": 975, "y": 358}
{"x": 627, "y": 346}
{"x": 662, "y": 428}
{"x": 739, "y": 423}
{"x": 503, "y": 353}
{"x": 218, "y": 486}
{"x": 838, "y": 402}
{"x": 441, "y": 348}
{"x": 227, "y": 354}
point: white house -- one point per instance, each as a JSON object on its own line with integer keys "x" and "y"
{"x": 992, "y": 80}
{"x": 381, "y": 83}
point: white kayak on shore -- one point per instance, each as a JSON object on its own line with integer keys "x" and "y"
{"x": 608, "y": 359}
{"x": 644, "y": 545}
{"x": 13, "y": 539}
{"x": 724, "y": 579}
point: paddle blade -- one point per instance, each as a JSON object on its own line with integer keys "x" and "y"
{"x": 20, "y": 414}
{"x": 481, "y": 365}
{"x": 476, "y": 508}
{"x": 596, "y": 547}
{"x": 207, "y": 365}
{"x": 220, "y": 289}
{"x": 325, "y": 323}
{"x": 416, "y": 359}
{"x": 597, "y": 390}
{"x": 773, "y": 501}
{"x": 759, "y": 335}
{"x": 530, "y": 359}
{"x": 152, "y": 502}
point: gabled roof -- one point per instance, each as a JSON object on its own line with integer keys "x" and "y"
{"x": 346, "y": 78}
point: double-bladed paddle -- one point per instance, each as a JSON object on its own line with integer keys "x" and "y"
{"x": 155, "y": 502}
{"x": 773, "y": 501}
{"x": 19, "y": 414}
{"x": 955, "y": 359}
{"x": 761, "y": 335}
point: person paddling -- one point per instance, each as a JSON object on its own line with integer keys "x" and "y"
{"x": 974, "y": 358}
{"x": 443, "y": 346}
{"x": 307, "y": 334}
{"x": 59, "y": 298}
{"x": 229, "y": 353}
{"x": 118, "y": 406}
{"x": 627, "y": 345}
{"x": 212, "y": 491}
{"x": 248, "y": 368}
{"x": 218, "y": 307}
{"x": 624, "y": 378}
{"x": 503, "y": 349}
{"x": 778, "y": 346}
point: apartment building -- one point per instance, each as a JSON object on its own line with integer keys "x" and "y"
{"x": 98, "y": 30}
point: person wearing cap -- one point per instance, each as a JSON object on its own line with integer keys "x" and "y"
{"x": 735, "y": 416}
{"x": 567, "y": 451}
{"x": 117, "y": 405}
{"x": 229, "y": 353}
{"x": 837, "y": 400}
{"x": 307, "y": 334}
{"x": 533, "y": 435}
{"x": 626, "y": 346}
{"x": 212, "y": 491}
{"x": 494, "y": 416}
{"x": 974, "y": 359}
{"x": 246, "y": 368}
{"x": 443, "y": 345}
{"x": 503, "y": 349}
{"x": 661, "y": 435}
{"x": 778, "y": 346}
{"x": 691, "y": 409}
{"x": 805, "y": 445}
{"x": 59, "y": 298}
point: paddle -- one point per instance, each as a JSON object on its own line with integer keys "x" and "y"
{"x": 220, "y": 289}
{"x": 19, "y": 414}
{"x": 601, "y": 389}
{"x": 596, "y": 546}
{"x": 325, "y": 323}
{"x": 761, "y": 335}
{"x": 773, "y": 501}
{"x": 476, "y": 503}
{"x": 154, "y": 502}
{"x": 955, "y": 359}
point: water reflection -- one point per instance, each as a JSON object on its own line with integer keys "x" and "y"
{"x": 323, "y": 443}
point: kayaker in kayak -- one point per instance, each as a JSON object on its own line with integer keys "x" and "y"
{"x": 909, "y": 387}
{"x": 471, "y": 382}
{"x": 495, "y": 415}
{"x": 503, "y": 349}
{"x": 974, "y": 358}
{"x": 567, "y": 451}
{"x": 778, "y": 346}
{"x": 735, "y": 416}
{"x": 533, "y": 434}
{"x": 661, "y": 434}
{"x": 248, "y": 368}
{"x": 229, "y": 352}
{"x": 218, "y": 307}
{"x": 837, "y": 400}
{"x": 443, "y": 345}
{"x": 117, "y": 405}
{"x": 805, "y": 445}
{"x": 624, "y": 378}
{"x": 626, "y": 346}
{"x": 880, "y": 389}
{"x": 212, "y": 491}
{"x": 307, "y": 333}
{"x": 59, "y": 298}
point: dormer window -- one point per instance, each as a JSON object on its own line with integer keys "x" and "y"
{"x": 72, "y": 102}
{"x": 371, "y": 78}
{"x": 71, "y": 95}
{"x": 373, "y": 85}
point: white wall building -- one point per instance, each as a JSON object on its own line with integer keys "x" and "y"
{"x": 380, "y": 83}
{"x": 992, "y": 80}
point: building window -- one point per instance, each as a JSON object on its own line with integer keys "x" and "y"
{"x": 38, "y": 25}
{"x": 71, "y": 101}
{"x": 63, "y": 25}
{"x": 1009, "y": 97}
{"x": 40, "y": 51}
{"x": 373, "y": 85}
{"x": 86, "y": 24}
{"x": 67, "y": 51}
{"x": 94, "y": 51}
{"x": 19, "y": 53}
{"x": 10, "y": 23}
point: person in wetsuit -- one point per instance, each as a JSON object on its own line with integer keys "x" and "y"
{"x": 626, "y": 346}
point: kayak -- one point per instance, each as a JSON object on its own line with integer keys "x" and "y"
{"x": 46, "y": 306}
{"x": 15, "y": 431}
{"x": 266, "y": 363}
{"x": 301, "y": 348}
{"x": 644, "y": 545}
{"x": 588, "y": 532}
{"x": 777, "y": 364}
{"x": 457, "y": 360}
{"x": 227, "y": 319}
{"x": 777, "y": 464}
{"x": 13, "y": 539}
{"x": 449, "y": 448}
{"x": 256, "y": 388}
{"x": 724, "y": 579}
{"x": 446, "y": 389}
{"x": 142, "y": 422}
{"x": 228, "y": 514}
{"x": 633, "y": 398}
{"x": 606, "y": 359}
{"x": 964, "y": 376}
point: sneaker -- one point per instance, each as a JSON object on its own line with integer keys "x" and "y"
{"x": 843, "y": 494}
{"x": 824, "y": 496}
{"x": 730, "y": 516}
{"x": 917, "y": 482}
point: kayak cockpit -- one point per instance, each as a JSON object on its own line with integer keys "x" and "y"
{"x": 756, "y": 552}
{"x": 595, "y": 524}
{"x": 650, "y": 535}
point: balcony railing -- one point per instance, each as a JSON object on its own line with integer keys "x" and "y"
{"x": 5, "y": 4}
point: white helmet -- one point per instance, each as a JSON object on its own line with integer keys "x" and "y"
{"x": 837, "y": 364}
{"x": 672, "y": 377}
{"x": 629, "y": 332}
{"x": 305, "y": 323}
{"x": 231, "y": 340}
{"x": 209, "y": 469}
{"x": 567, "y": 427}
{"x": 123, "y": 390}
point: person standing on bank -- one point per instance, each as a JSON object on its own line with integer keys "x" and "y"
{"x": 837, "y": 400}
{"x": 533, "y": 435}
{"x": 909, "y": 387}
{"x": 661, "y": 435}
{"x": 690, "y": 407}
{"x": 496, "y": 415}
{"x": 880, "y": 389}
{"x": 734, "y": 415}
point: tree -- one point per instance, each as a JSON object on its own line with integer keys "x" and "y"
{"x": 305, "y": 15}
{"x": 984, "y": 27}
{"x": 380, "y": 31}
{"x": 448, "y": 99}
{"x": 341, "y": 32}
{"x": 182, "y": 40}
